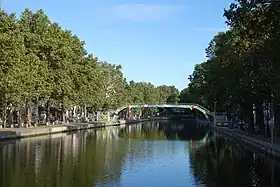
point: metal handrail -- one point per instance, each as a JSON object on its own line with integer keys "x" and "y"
{"x": 194, "y": 104}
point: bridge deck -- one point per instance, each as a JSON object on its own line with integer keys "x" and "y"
{"x": 181, "y": 105}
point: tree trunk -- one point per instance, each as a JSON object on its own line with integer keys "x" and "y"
{"x": 10, "y": 116}
{"x": 57, "y": 115}
{"x": 5, "y": 115}
{"x": 37, "y": 112}
{"x": 85, "y": 111}
{"x": 27, "y": 113}
{"x": 260, "y": 117}
{"x": 19, "y": 117}
{"x": 277, "y": 127}
{"x": 48, "y": 112}
{"x": 63, "y": 113}
{"x": 250, "y": 117}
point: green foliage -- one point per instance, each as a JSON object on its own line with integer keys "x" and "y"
{"x": 40, "y": 62}
{"x": 243, "y": 63}
{"x": 146, "y": 93}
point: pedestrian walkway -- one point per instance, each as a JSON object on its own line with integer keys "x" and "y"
{"x": 13, "y": 133}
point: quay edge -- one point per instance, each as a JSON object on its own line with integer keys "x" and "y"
{"x": 266, "y": 148}
{"x": 18, "y": 133}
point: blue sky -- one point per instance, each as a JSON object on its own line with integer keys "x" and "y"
{"x": 158, "y": 41}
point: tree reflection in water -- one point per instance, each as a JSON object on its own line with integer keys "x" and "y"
{"x": 80, "y": 159}
{"x": 221, "y": 163}
{"x": 94, "y": 158}
{"x": 175, "y": 130}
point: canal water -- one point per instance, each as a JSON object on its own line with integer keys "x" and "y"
{"x": 152, "y": 154}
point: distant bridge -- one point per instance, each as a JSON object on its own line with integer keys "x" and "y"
{"x": 191, "y": 106}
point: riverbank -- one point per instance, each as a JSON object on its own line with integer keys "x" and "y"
{"x": 17, "y": 133}
{"x": 255, "y": 142}
{"x": 24, "y": 132}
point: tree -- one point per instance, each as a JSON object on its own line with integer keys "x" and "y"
{"x": 87, "y": 82}
{"x": 11, "y": 62}
{"x": 35, "y": 75}
{"x": 112, "y": 85}
{"x": 46, "y": 66}
{"x": 242, "y": 62}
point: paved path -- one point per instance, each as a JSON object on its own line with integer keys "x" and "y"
{"x": 12, "y": 133}
{"x": 55, "y": 125}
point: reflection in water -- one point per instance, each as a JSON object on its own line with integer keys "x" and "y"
{"x": 175, "y": 130}
{"x": 149, "y": 154}
{"x": 221, "y": 163}
{"x": 80, "y": 159}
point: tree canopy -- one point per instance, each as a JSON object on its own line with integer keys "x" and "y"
{"x": 40, "y": 62}
{"x": 243, "y": 62}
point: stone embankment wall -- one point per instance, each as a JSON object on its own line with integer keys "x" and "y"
{"x": 16, "y": 133}
{"x": 262, "y": 146}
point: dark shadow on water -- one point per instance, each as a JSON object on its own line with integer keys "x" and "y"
{"x": 224, "y": 163}
{"x": 165, "y": 130}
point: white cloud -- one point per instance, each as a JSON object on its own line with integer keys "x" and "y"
{"x": 140, "y": 12}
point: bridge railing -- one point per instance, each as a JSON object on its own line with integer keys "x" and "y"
{"x": 194, "y": 104}
{"x": 198, "y": 106}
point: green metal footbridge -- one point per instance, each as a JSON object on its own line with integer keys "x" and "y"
{"x": 191, "y": 106}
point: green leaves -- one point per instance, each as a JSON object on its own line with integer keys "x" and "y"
{"x": 11, "y": 58}
{"x": 243, "y": 66}
{"x": 146, "y": 93}
{"x": 40, "y": 62}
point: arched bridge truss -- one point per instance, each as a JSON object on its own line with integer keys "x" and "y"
{"x": 192, "y": 106}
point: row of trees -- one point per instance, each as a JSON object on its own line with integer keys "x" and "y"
{"x": 243, "y": 63}
{"x": 45, "y": 65}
